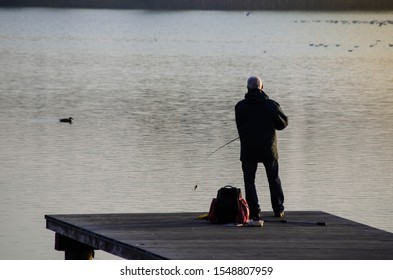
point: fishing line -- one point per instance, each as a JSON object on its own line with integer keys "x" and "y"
{"x": 170, "y": 168}
{"x": 215, "y": 151}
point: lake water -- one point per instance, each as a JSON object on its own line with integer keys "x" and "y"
{"x": 152, "y": 94}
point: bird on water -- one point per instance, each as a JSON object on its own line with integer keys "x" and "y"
{"x": 67, "y": 120}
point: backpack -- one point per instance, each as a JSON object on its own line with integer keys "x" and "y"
{"x": 229, "y": 207}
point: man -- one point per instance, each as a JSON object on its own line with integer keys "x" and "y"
{"x": 257, "y": 119}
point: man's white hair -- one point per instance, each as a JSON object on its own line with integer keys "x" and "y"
{"x": 254, "y": 83}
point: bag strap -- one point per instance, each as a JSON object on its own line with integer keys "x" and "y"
{"x": 229, "y": 187}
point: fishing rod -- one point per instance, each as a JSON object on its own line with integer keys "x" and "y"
{"x": 261, "y": 222}
{"x": 196, "y": 186}
{"x": 233, "y": 140}
{"x": 166, "y": 168}
{"x": 284, "y": 221}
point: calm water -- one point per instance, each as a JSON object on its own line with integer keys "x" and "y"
{"x": 153, "y": 93}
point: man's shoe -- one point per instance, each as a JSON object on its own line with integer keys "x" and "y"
{"x": 279, "y": 214}
{"x": 257, "y": 216}
{"x": 255, "y": 223}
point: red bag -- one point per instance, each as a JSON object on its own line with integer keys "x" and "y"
{"x": 229, "y": 207}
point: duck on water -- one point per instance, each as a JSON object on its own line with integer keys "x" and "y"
{"x": 66, "y": 120}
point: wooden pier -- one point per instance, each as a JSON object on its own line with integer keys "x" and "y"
{"x": 182, "y": 236}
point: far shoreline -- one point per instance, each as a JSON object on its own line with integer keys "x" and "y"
{"x": 225, "y": 5}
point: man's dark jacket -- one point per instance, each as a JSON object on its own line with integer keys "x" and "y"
{"x": 257, "y": 119}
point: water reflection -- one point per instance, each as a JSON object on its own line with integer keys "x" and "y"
{"x": 150, "y": 105}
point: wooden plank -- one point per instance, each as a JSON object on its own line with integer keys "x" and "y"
{"x": 182, "y": 236}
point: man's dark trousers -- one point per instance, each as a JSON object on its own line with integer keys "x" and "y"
{"x": 276, "y": 193}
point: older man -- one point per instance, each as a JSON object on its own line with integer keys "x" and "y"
{"x": 257, "y": 119}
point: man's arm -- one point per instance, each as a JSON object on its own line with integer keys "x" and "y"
{"x": 279, "y": 117}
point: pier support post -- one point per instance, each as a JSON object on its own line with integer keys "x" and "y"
{"x": 73, "y": 250}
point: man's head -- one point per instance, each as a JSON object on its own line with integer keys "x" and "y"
{"x": 254, "y": 83}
